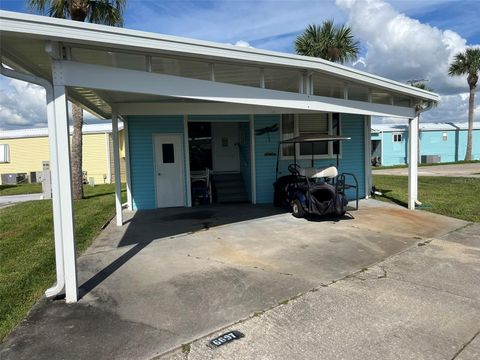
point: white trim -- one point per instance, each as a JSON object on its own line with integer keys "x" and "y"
{"x": 328, "y": 156}
{"x": 127, "y": 165}
{"x": 77, "y": 74}
{"x": 253, "y": 170}
{"x": 116, "y": 172}
{"x": 63, "y": 174}
{"x": 107, "y": 149}
{"x": 412, "y": 162}
{"x": 150, "y": 43}
{"x": 368, "y": 152}
{"x": 186, "y": 146}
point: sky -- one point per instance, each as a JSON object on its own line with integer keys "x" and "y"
{"x": 400, "y": 39}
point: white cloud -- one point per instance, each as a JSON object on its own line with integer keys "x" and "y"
{"x": 21, "y": 104}
{"x": 243, "y": 43}
{"x": 402, "y": 48}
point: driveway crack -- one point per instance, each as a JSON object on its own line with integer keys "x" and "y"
{"x": 465, "y": 345}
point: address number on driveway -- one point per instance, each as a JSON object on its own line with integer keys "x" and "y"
{"x": 226, "y": 338}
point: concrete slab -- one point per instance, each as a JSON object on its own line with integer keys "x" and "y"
{"x": 179, "y": 274}
{"x": 453, "y": 170}
{"x": 423, "y": 303}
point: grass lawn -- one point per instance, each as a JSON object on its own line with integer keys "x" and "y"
{"x": 455, "y": 197}
{"x": 27, "y": 257}
{"x": 402, "y": 166}
{"x": 20, "y": 189}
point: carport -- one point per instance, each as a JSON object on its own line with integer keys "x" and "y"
{"x": 119, "y": 73}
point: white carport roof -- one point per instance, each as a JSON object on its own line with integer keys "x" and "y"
{"x": 115, "y": 72}
{"x": 204, "y": 77}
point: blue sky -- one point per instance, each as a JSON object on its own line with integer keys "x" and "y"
{"x": 400, "y": 39}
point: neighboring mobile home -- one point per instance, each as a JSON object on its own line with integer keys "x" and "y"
{"x": 23, "y": 152}
{"x": 188, "y": 105}
{"x": 438, "y": 142}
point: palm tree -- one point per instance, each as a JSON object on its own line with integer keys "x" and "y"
{"x": 107, "y": 12}
{"x": 468, "y": 63}
{"x": 328, "y": 42}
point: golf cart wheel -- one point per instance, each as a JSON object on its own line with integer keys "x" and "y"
{"x": 297, "y": 209}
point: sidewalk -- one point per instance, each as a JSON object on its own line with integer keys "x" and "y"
{"x": 423, "y": 303}
{"x": 453, "y": 170}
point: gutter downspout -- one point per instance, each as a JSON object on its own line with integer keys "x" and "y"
{"x": 59, "y": 287}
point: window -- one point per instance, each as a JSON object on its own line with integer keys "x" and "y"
{"x": 168, "y": 154}
{"x": 397, "y": 137}
{"x": 300, "y": 124}
{"x": 4, "y": 153}
{"x": 445, "y": 136}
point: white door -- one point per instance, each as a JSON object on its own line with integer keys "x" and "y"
{"x": 225, "y": 152}
{"x": 169, "y": 175}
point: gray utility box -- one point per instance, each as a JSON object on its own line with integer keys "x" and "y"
{"x": 13, "y": 179}
{"x": 431, "y": 159}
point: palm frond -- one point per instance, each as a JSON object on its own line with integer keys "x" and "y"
{"x": 327, "y": 42}
{"x": 106, "y": 12}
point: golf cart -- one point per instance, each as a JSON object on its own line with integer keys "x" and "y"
{"x": 317, "y": 191}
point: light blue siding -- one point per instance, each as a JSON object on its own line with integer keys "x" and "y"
{"x": 351, "y": 161}
{"x": 431, "y": 143}
{"x": 394, "y": 153}
{"x": 140, "y": 136}
{"x": 266, "y": 147}
{"x": 245, "y": 163}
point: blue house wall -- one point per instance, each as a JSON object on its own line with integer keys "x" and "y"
{"x": 142, "y": 129}
{"x": 432, "y": 142}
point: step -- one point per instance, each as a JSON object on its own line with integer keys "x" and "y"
{"x": 227, "y": 177}
{"x": 234, "y": 199}
{"x": 231, "y": 191}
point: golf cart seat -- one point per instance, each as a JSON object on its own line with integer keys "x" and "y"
{"x": 329, "y": 172}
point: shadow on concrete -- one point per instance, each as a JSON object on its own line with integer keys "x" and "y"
{"x": 149, "y": 225}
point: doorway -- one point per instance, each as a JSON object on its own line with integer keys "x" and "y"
{"x": 169, "y": 170}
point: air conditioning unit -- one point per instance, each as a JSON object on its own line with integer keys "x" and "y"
{"x": 431, "y": 159}
{"x": 14, "y": 179}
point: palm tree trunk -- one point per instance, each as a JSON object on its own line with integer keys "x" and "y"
{"x": 76, "y": 152}
{"x": 471, "y": 101}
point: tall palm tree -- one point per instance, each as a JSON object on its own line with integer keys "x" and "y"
{"x": 107, "y": 12}
{"x": 328, "y": 42}
{"x": 468, "y": 63}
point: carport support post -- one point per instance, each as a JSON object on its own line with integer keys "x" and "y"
{"x": 116, "y": 166}
{"x": 412, "y": 162}
{"x": 62, "y": 174}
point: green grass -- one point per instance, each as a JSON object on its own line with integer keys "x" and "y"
{"x": 27, "y": 258}
{"x": 451, "y": 196}
{"x": 20, "y": 189}
{"x": 422, "y": 165}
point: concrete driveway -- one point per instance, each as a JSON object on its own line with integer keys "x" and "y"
{"x": 454, "y": 170}
{"x": 171, "y": 276}
{"x": 14, "y": 199}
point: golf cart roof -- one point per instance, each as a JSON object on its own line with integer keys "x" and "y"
{"x": 314, "y": 137}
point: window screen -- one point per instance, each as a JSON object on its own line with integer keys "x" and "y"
{"x": 288, "y": 132}
{"x": 4, "y": 153}
{"x": 168, "y": 154}
{"x": 313, "y": 123}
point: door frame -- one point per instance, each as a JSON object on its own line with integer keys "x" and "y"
{"x": 237, "y": 124}
{"x": 181, "y": 158}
